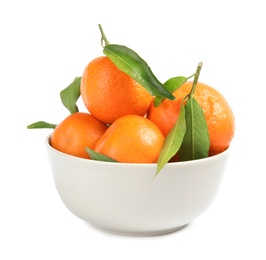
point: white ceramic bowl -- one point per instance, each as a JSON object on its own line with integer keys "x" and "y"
{"x": 126, "y": 199}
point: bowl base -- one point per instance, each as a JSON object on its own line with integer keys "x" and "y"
{"x": 139, "y": 233}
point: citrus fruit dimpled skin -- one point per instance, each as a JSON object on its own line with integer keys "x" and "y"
{"x": 75, "y": 132}
{"x": 131, "y": 139}
{"x": 108, "y": 93}
{"x": 217, "y": 112}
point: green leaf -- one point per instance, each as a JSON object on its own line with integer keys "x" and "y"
{"x": 133, "y": 65}
{"x": 196, "y": 141}
{"x": 41, "y": 124}
{"x": 98, "y": 157}
{"x": 171, "y": 85}
{"x": 172, "y": 141}
{"x": 70, "y": 95}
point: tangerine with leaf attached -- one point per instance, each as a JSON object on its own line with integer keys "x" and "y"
{"x": 218, "y": 114}
{"x": 108, "y": 93}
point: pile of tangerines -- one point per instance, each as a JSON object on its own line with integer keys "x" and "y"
{"x": 123, "y": 123}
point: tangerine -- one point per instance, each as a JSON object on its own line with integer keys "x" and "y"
{"x": 131, "y": 139}
{"x": 108, "y": 93}
{"x": 218, "y": 114}
{"x": 75, "y": 132}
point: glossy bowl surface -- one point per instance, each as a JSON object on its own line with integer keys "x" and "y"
{"x": 126, "y": 199}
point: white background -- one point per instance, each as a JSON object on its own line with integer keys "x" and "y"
{"x": 44, "y": 45}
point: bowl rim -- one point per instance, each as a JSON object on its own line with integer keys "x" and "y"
{"x": 171, "y": 164}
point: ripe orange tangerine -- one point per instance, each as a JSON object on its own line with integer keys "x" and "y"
{"x": 75, "y": 132}
{"x": 217, "y": 112}
{"x": 131, "y": 139}
{"x": 108, "y": 93}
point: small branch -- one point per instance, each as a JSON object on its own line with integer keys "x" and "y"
{"x": 103, "y": 39}
{"x": 195, "y": 81}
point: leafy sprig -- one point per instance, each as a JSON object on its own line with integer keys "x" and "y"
{"x": 189, "y": 136}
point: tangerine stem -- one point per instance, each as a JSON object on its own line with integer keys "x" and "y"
{"x": 103, "y": 39}
{"x": 195, "y": 81}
